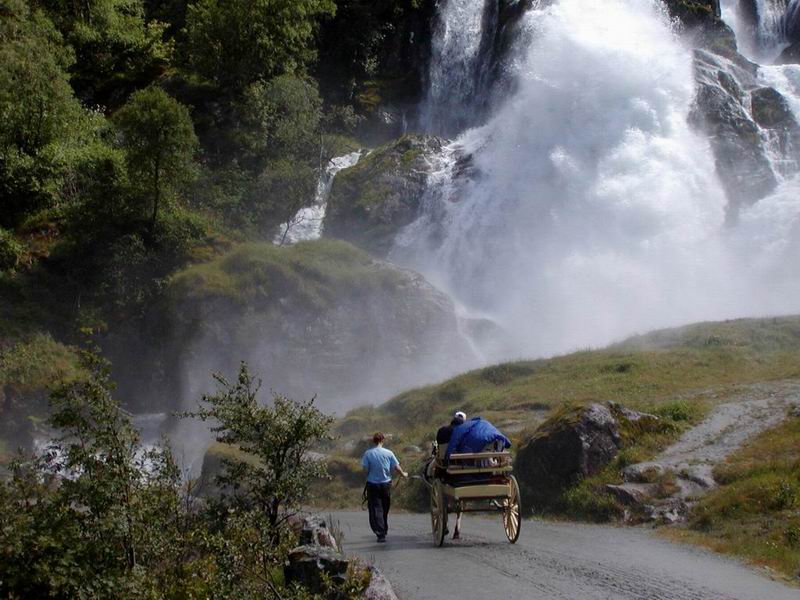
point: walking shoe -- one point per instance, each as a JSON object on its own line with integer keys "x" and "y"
{"x": 381, "y": 539}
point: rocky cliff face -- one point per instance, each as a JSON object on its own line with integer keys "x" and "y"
{"x": 373, "y": 200}
{"x": 319, "y": 318}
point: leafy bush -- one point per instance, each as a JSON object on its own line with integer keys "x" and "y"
{"x": 11, "y": 251}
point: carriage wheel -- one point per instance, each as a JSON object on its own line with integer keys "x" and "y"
{"x": 438, "y": 513}
{"x": 511, "y": 512}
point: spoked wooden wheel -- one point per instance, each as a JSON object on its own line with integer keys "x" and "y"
{"x": 438, "y": 513}
{"x": 511, "y": 512}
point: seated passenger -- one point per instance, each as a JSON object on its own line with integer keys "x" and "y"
{"x": 476, "y": 435}
{"x": 445, "y": 433}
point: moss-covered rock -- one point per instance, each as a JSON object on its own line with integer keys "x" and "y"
{"x": 29, "y": 367}
{"x": 574, "y": 444}
{"x": 371, "y": 201}
{"x": 694, "y": 13}
{"x": 318, "y": 318}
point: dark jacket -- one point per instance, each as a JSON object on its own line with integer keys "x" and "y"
{"x": 445, "y": 433}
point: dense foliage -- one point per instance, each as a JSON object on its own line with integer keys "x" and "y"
{"x": 134, "y": 134}
{"x": 97, "y": 515}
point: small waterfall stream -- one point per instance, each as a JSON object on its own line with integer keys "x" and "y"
{"x": 307, "y": 222}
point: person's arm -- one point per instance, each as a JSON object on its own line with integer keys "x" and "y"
{"x": 397, "y": 467}
{"x": 365, "y": 462}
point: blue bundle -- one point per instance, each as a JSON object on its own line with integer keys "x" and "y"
{"x": 474, "y": 435}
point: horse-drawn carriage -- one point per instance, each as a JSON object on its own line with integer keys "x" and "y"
{"x": 472, "y": 482}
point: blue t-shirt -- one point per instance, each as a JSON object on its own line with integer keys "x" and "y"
{"x": 379, "y": 462}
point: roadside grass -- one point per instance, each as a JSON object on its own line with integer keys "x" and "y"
{"x": 755, "y": 513}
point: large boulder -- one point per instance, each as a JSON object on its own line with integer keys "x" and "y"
{"x": 371, "y": 201}
{"x": 576, "y": 443}
{"x": 572, "y": 445}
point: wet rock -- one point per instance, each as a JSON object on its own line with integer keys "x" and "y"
{"x": 307, "y": 564}
{"x": 647, "y": 472}
{"x": 790, "y": 55}
{"x": 379, "y": 587}
{"x": 770, "y": 109}
{"x": 694, "y": 13}
{"x": 371, "y": 201}
{"x": 668, "y": 512}
{"x": 740, "y": 155}
{"x": 314, "y": 531}
{"x": 629, "y": 494}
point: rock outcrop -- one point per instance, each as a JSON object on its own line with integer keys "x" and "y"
{"x": 371, "y": 201}
{"x": 319, "y": 560}
{"x": 310, "y": 565}
{"x": 574, "y": 444}
{"x": 318, "y": 318}
{"x": 720, "y": 111}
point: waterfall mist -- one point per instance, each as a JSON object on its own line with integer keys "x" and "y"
{"x": 594, "y": 210}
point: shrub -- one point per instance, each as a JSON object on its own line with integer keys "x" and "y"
{"x": 11, "y": 251}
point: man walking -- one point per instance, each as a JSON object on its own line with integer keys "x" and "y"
{"x": 379, "y": 463}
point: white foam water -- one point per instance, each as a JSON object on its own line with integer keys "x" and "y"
{"x": 595, "y": 212}
{"x": 307, "y": 222}
{"x": 457, "y": 66}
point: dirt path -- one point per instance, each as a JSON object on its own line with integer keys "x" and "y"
{"x": 750, "y": 410}
{"x": 552, "y": 561}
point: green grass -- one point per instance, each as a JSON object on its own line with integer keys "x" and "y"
{"x": 644, "y": 373}
{"x": 37, "y": 362}
{"x": 315, "y": 274}
{"x": 755, "y": 513}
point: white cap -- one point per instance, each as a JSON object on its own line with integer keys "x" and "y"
{"x": 460, "y": 416}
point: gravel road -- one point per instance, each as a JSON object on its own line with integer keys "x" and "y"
{"x": 550, "y": 561}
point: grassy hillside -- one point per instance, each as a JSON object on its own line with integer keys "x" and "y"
{"x": 697, "y": 363}
{"x": 755, "y": 512}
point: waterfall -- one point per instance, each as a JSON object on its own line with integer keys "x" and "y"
{"x": 307, "y": 222}
{"x": 593, "y": 210}
{"x": 763, "y": 27}
{"x": 458, "y": 71}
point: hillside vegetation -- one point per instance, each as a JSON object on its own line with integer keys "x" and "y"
{"x": 754, "y": 513}
{"x": 678, "y": 374}
{"x": 696, "y": 363}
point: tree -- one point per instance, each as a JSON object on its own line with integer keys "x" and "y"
{"x": 118, "y": 51}
{"x": 277, "y": 119}
{"x": 277, "y": 469}
{"x": 280, "y": 192}
{"x": 95, "y": 515}
{"x": 157, "y": 135}
{"x": 38, "y": 111}
{"x": 234, "y": 44}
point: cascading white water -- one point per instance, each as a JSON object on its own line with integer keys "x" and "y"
{"x": 307, "y": 222}
{"x": 777, "y": 24}
{"x": 457, "y": 66}
{"x": 595, "y": 212}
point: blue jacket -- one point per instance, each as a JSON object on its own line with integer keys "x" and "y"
{"x": 473, "y": 436}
